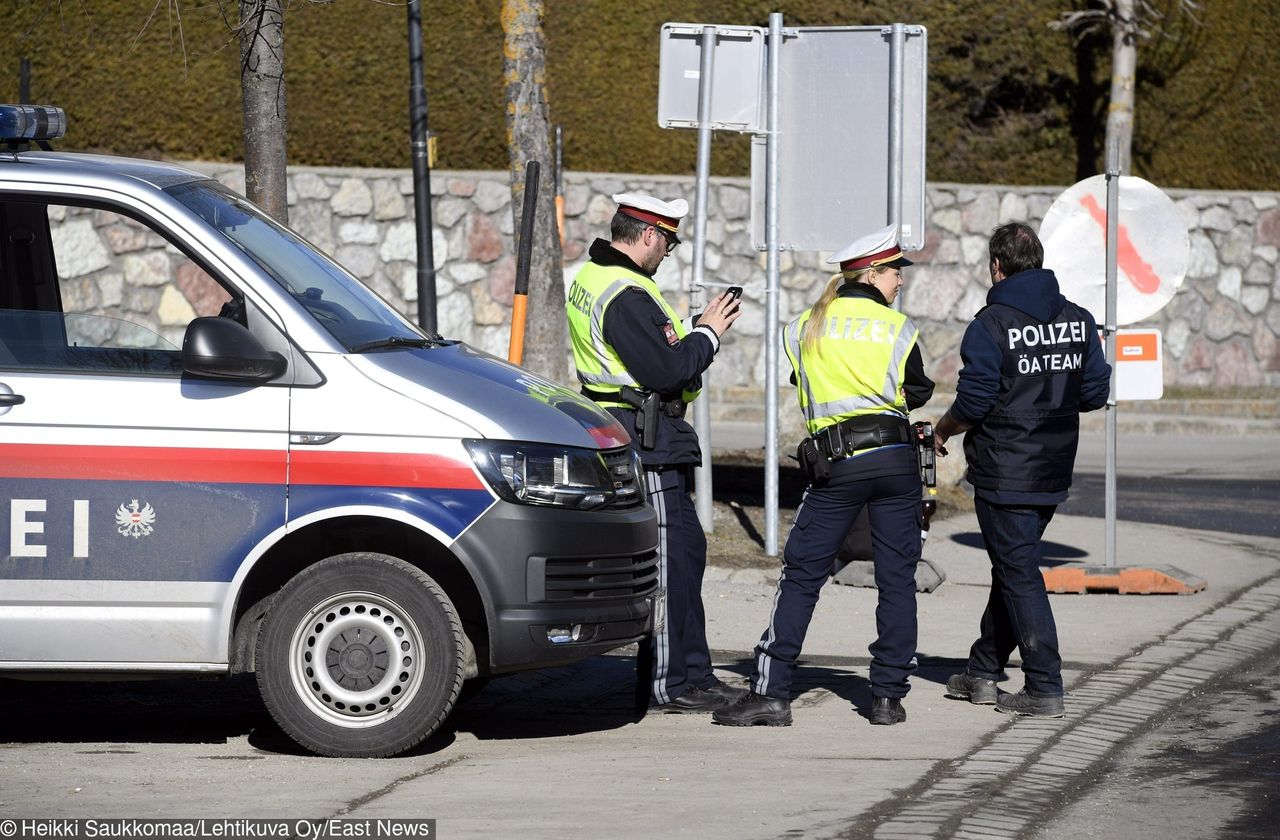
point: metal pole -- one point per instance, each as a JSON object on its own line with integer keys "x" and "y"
{"x": 771, "y": 337}
{"x": 698, "y": 293}
{"x": 559, "y": 173}
{"x": 1113, "y": 212}
{"x": 24, "y": 81}
{"x": 559, "y": 184}
{"x": 897, "y": 53}
{"x": 421, "y": 173}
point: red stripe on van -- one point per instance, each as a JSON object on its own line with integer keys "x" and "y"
{"x": 142, "y": 463}
{"x": 234, "y": 466}
{"x": 382, "y": 469}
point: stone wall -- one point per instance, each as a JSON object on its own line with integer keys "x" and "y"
{"x": 1220, "y": 329}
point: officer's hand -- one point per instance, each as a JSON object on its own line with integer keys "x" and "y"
{"x": 938, "y": 448}
{"x": 720, "y": 314}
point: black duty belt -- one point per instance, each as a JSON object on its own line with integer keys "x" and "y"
{"x": 842, "y": 439}
{"x": 635, "y": 398}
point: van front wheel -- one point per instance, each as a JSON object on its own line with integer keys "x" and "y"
{"x": 361, "y": 656}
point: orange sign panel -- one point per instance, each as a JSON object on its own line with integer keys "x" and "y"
{"x": 1137, "y": 346}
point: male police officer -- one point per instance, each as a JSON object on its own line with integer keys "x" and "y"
{"x": 635, "y": 357}
{"x": 1031, "y": 363}
{"x": 858, "y": 371}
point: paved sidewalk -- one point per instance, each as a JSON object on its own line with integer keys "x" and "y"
{"x": 832, "y": 774}
{"x": 560, "y": 754}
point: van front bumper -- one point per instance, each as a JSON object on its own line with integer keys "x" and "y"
{"x": 588, "y": 585}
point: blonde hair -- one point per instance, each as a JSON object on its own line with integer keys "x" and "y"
{"x": 811, "y": 340}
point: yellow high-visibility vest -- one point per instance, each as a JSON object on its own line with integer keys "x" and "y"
{"x": 596, "y": 362}
{"x": 860, "y": 370}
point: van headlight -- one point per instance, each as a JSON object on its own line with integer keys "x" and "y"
{"x": 543, "y": 474}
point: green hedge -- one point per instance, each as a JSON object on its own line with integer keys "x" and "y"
{"x": 1010, "y": 100}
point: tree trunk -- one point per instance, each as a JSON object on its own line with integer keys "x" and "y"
{"x": 1124, "y": 66}
{"x": 265, "y": 112}
{"x": 529, "y": 138}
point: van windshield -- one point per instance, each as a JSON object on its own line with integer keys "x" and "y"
{"x": 352, "y": 313}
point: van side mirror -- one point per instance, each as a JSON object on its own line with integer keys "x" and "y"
{"x": 220, "y": 348}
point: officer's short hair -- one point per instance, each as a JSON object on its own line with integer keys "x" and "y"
{"x": 1017, "y": 248}
{"x": 626, "y": 229}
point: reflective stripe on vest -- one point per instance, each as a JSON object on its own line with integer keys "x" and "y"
{"x": 593, "y": 289}
{"x": 860, "y": 371}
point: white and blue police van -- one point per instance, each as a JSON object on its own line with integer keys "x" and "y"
{"x": 220, "y": 453}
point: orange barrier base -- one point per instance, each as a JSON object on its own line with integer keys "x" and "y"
{"x": 1126, "y": 580}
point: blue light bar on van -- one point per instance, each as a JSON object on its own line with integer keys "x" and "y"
{"x": 31, "y": 122}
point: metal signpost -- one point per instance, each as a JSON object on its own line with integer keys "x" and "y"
{"x": 729, "y": 102}
{"x": 771, "y": 327}
{"x": 1121, "y": 273}
{"x": 420, "y": 151}
{"x": 844, "y": 126}
{"x": 698, "y": 297}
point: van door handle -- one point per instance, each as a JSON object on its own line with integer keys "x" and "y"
{"x": 9, "y": 400}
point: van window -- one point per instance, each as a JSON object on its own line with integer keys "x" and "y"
{"x": 85, "y": 289}
{"x": 351, "y": 312}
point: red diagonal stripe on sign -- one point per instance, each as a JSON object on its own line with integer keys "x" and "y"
{"x": 1139, "y": 270}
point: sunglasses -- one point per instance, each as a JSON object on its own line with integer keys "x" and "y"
{"x": 672, "y": 240}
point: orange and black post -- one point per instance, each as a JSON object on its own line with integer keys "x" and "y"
{"x": 524, "y": 253}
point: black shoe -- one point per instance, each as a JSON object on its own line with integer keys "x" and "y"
{"x": 730, "y": 693}
{"x": 755, "y": 709}
{"x": 886, "y": 711}
{"x": 699, "y": 700}
{"x": 977, "y": 690}
{"x": 1023, "y": 703}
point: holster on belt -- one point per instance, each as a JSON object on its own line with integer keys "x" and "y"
{"x": 840, "y": 440}
{"x": 816, "y": 465}
{"x": 647, "y": 405}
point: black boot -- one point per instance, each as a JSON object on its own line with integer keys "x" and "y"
{"x": 756, "y": 709}
{"x": 886, "y": 711}
{"x": 698, "y": 700}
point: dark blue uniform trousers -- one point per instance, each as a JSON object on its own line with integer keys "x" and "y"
{"x": 677, "y": 658}
{"x": 822, "y": 522}
{"x": 1018, "y": 612}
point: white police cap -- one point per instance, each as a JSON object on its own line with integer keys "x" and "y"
{"x": 875, "y": 249}
{"x": 646, "y": 208}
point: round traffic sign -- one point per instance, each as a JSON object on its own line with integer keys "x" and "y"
{"x": 1153, "y": 248}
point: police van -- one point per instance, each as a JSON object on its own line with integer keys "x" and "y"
{"x": 220, "y": 453}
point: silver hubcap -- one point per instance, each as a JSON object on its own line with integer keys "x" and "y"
{"x": 356, "y": 659}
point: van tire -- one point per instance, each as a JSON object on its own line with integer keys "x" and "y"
{"x": 391, "y": 649}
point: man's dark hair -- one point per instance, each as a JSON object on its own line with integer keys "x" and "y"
{"x": 1017, "y": 248}
{"x": 626, "y": 229}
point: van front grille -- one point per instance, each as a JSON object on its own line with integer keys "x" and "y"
{"x": 576, "y": 579}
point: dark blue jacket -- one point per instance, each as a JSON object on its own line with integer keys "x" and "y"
{"x": 1032, "y": 361}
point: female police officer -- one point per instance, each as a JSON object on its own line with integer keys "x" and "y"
{"x": 858, "y": 372}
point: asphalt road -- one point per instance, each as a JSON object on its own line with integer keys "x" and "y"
{"x": 1209, "y": 769}
{"x": 1229, "y": 484}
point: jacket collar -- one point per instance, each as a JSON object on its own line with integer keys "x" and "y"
{"x": 862, "y": 290}
{"x": 603, "y": 253}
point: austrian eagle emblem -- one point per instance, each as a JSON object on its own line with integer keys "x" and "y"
{"x": 133, "y": 522}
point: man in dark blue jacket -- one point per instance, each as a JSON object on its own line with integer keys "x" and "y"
{"x": 1032, "y": 362}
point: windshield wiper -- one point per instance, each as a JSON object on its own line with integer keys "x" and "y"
{"x": 399, "y": 341}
